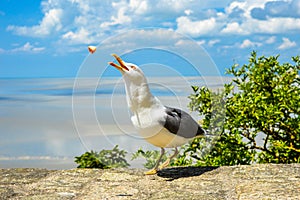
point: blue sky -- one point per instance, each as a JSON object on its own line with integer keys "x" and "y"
{"x": 49, "y": 38}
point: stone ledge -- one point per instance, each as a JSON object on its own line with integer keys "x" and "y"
{"x": 265, "y": 181}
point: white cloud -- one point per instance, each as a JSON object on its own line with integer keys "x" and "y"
{"x": 249, "y": 25}
{"x": 140, "y": 37}
{"x": 274, "y": 25}
{"x": 234, "y": 28}
{"x": 248, "y": 44}
{"x": 27, "y": 47}
{"x": 213, "y": 42}
{"x": 281, "y": 8}
{"x": 122, "y": 17}
{"x": 51, "y": 22}
{"x": 83, "y": 6}
{"x": 196, "y": 28}
{"x": 138, "y": 6}
{"x": 227, "y": 23}
{"x": 79, "y": 37}
{"x": 74, "y": 22}
{"x": 269, "y": 26}
{"x": 286, "y": 44}
{"x": 246, "y": 6}
{"x": 271, "y": 40}
{"x": 188, "y": 12}
{"x": 201, "y": 42}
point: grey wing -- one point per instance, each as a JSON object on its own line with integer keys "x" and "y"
{"x": 181, "y": 123}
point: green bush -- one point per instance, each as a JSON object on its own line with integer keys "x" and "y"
{"x": 104, "y": 159}
{"x": 261, "y": 122}
{"x": 253, "y": 119}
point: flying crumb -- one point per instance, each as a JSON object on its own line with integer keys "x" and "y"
{"x": 92, "y": 49}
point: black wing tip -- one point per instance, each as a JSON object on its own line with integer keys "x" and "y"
{"x": 200, "y": 131}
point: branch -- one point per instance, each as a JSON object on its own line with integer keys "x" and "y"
{"x": 246, "y": 134}
{"x": 293, "y": 148}
{"x": 266, "y": 141}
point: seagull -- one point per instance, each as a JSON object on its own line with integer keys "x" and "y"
{"x": 160, "y": 125}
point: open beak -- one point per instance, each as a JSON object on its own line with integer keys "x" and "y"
{"x": 122, "y": 67}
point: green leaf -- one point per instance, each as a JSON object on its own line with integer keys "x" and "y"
{"x": 267, "y": 102}
{"x": 114, "y": 158}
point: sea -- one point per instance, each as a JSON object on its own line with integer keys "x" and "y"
{"x": 47, "y": 122}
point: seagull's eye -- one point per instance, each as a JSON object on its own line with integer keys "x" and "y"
{"x": 132, "y": 67}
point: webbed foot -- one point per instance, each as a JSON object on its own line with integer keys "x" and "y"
{"x": 151, "y": 172}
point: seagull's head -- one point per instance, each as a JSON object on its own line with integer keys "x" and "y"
{"x": 130, "y": 71}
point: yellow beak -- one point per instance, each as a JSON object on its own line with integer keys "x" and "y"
{"x": 121, "y": 67}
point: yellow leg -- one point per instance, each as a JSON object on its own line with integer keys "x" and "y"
{"x": 167, "y": 162}
{"x": 154, "y": 170}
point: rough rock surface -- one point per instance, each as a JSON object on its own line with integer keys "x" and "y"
{"x": 267, "y": 181}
